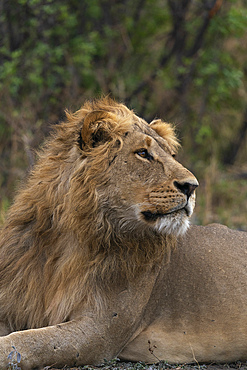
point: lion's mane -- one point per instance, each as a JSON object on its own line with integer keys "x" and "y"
{"x": 59, "y": 248}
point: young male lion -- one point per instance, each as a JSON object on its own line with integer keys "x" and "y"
{"x": 94, "y": 258}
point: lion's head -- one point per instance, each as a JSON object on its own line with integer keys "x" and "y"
{"x": 104, "y": 200}
{"x": 139, "y": 184}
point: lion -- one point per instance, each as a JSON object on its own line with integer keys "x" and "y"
{"x": 97, "y": 258}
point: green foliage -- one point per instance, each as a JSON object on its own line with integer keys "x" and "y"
{"x": 172, "y": 59}
{"x": 217, "y": 69}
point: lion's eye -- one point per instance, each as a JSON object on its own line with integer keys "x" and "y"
{"x": 143, "y": 153}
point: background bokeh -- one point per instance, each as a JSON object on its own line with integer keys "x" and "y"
{"x": 184, "y": 61}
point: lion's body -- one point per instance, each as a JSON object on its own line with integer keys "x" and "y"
{"x": 93, "y": 260}
{"x": 200, "y": 311}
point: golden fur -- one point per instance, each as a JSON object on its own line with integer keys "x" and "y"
{"x": 66, "y": 268}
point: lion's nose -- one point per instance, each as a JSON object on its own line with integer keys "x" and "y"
{"x": 186, "y": 187}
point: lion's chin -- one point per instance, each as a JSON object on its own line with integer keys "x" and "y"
{"x": 174, "y": 223}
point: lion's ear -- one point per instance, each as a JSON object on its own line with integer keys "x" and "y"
{"x": 167, "y": 131}
{"x": 97, "y": 128}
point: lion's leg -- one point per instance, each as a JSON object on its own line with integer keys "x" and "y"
{"x": 73, "y": 343}
{"x": 90, "y": 337}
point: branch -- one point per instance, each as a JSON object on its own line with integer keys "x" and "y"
{"x": 213, "y": 9}
{"x": 176, "y": 39}
{"x": 137, "y": 13}
{"x": 233, "y": 148}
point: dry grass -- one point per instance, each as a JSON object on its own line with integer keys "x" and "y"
{"x": 222, "y": 198}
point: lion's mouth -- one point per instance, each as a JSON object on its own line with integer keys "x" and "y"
{"x": 154, "y": 216}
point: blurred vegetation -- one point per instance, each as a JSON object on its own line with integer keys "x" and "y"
{"x": 182, "y": 60}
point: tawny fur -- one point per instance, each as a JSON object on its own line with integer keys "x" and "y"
{"x": 52, "y": 260}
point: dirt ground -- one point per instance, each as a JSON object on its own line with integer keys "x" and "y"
{"x": 118, "y": 365}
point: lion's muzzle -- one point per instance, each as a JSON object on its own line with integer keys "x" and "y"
{"x": 169, "y": 198}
